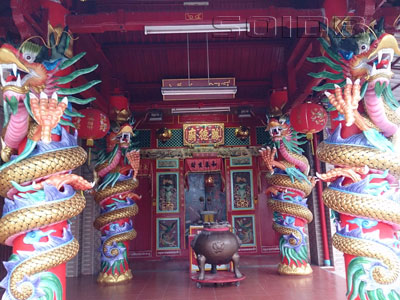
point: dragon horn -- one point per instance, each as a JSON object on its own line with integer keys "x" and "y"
{"x": 333, "y": 37}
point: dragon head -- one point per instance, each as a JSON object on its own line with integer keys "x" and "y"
{"x": 124, "y": 136}
{"x": 121, "y": 135}
{"x": 279, "y": 129}
{"x": 366, "y": 51}
{"x": 21, "y": 70}
{"x": 374, "y": 59}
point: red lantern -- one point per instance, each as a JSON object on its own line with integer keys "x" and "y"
{"x": 94, "y": 125}
{"x": 277, "y": 101}
{"x": 119, "y": 107}
{"x": 308, "y": 118}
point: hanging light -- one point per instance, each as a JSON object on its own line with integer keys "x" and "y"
{"x": 209, "y": 180}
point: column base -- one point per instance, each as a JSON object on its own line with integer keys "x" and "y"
{"x": 114, "y": 279}
{"x": 293, "y": 270}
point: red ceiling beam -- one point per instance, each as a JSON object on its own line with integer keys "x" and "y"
{"x": 304, "y": 48}
{"x": 120, "y": 20}
{"x": 391, "y": 15}
{"x": 256, "y": 43}
{"x": 22, "y": 11}
{"x": 94, "y": 56}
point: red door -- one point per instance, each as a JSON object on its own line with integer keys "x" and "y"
{"x": 141, "y": 245}
{"x": 269, "y": 237}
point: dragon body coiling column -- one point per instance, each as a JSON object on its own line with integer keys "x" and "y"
{"x": 39, "y": 151}
{"x": 363, "y": 190}
{"x": 117, "y": 167}
{"x": 289, "y": 185}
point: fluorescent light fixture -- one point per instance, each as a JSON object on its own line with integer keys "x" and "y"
{"x": 206, "y": 90}
{"x": 195, "y": 3}
{"x": 197, "y": 28}
{"x": 196, "y": 110}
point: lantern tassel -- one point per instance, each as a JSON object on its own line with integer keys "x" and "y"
{"x": 89, "y": 144}
{"x": 310, "y": 138}
{"x": 89, "y": 156}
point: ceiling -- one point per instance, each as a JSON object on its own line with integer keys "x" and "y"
{"x": 112, "y": 34}
{"x": 137, "y": 63}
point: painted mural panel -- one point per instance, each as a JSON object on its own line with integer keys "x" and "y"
{"x": 245, "y": 229}
{"x": 167, "y": 163}
{"x": 240, "y": 161}
{"x": 168, "y": 233}
{"x": 242, "y": 189}
{"x": 167, "y": 192}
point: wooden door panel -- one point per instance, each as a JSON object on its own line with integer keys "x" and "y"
{"x": 142, "y": 221}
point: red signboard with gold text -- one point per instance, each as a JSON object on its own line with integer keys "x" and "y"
{"x": 203, "y": 134}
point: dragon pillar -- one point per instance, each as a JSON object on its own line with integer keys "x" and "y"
{"x": 39, "y": 151}
{"x": 363, "y": 190}
{"x": 288, "y": 188}
{"x": 117, "y": 167}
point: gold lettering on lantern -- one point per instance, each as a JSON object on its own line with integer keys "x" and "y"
{"x": 90, "y": 123}
{"x": 103, "y": 123}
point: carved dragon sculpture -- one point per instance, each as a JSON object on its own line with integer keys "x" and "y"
{"x": 117, "y": 166}
{"x": 288, "y": 186}
{"x": 39, "y": 154}
{"x": 364, "y": 183}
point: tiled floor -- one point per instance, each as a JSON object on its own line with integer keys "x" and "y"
{"x": 170, "y": 280}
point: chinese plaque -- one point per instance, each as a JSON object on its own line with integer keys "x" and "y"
{"x": 203, "y": 134}
{"x": 198, "y": 82}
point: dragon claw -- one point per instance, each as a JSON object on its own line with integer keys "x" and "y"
{"x": 43, "y": 95}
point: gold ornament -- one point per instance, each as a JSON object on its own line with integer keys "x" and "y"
{"x": 164, "y": 134}
{"x": 294, "y": 270}
{"x": 116, "y": 278}
{"x": 242, "y": 132}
